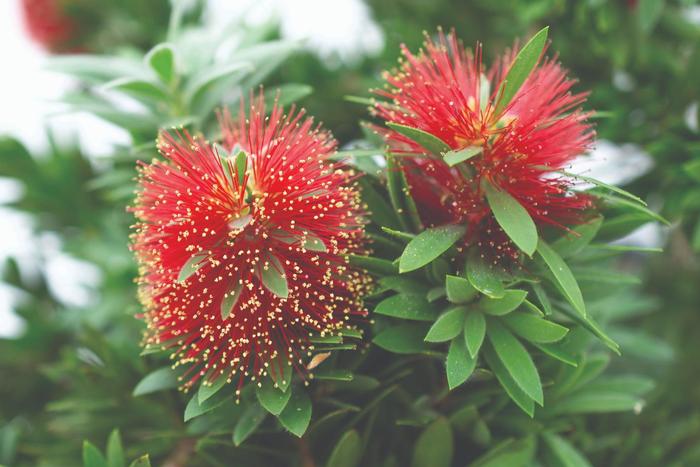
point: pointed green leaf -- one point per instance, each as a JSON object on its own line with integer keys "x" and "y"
{"x": 557, "y": 351}
{"x": 273, "y": 278}
{"x": 281, "y": 373}
{"x": 509, "y": 453}
{"x": 612, "y": 188}
{"x": 333, "y": 374}
{"x": 512, "y": 388}
{"x": 208, "y": 389}
{"x": 241, "y": 164}
{"x": 453, "y": 158}
{"x": 404, "y": 306}
{"x": 230, "y": 299}
{"x": 314, "y": 243}
{"x": 447, "y": 326}
{"x": 402, "y": 339}
{"x": 459, "y": 289}
{"x": 158, "y": 380}
{"x": 564, "y": 452}
{"x": 459, "y": 364}
{"x": 348, "y": 451}
{"x": 250, "y": 420}
{"x": 92, "y": 457}
{"x": 435, "y": 293}
{"x": 520, "y": 69}
{"x": 565, "y": 280}
{"x": 512, "y": 217}
{"x": 377, "y": 266}
{"x": 272, "y": 398}
{"x": 191, "y": 266}
{"x": 535, "y": 329}
{"x": 516, "y": 360}
{"x": 115, "y": 450}
{"x": 434, "y": 447}
{"x": 474, "y": 332}
{"x": 634, "y": 206}
{"x": 483, "y": 276}
{"x": 139, "y": 89}
{"x": 510, "y": 301}
{"x": 296, "y": 415}
{"x": 579, "y": 237}
{"x": 428, "y": 245}
{"x": 161, "y": 59}
{"x": 431, "y": 143}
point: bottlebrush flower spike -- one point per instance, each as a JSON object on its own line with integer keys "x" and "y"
{"x": 516, "y": 148}
{"x": 241, "y": 249}
{"x": 48, "y": 24}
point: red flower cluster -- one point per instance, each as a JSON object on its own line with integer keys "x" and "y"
{"x": 446, "y": 92}
{"x": 242, "y": 253}
{"x": 47, "y": 24}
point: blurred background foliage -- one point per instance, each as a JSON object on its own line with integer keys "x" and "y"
{"x": 69, "y": 376}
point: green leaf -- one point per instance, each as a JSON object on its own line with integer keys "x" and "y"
{"x": 435, "y": 293}
{"x": 208, "y": 389}
{"x": 565, "y": 280}
{"x": 428, "y": 245}
{"x": 543, "y": 298}
{"x": 596, "y": 402}
{"x": 692, "y": 169}
{"x": 402, "y": 339}
{"x": 143, "y": 461}
{"x": 619, "y": 201}
{"x": 509, "y": 453}
{"x": 520, "y": 69}
{"x": 600, "y": 184}
{"x": 434, "y": 447}
{"x": 281, "y": 373}
{"x": 483, "y": 276}
{"x": 250, "y": 420}
{"x": 404, "y": 306}
{"x": 333, "y": 374}
{"x": 535, "y": 329}
{"x": 579, "y": 237}
{"x": 115, "y": 450}
{"x": 558, "y": 352}
{"x": 348, "y": 451}
{"x": 272, "y": 398}
{"x": 241, "y": 164}
{"x": 512, "y": 388}
{"x": 453, "y": 158}
{"x": 207, "y": 89}
{"x": 459, "y": 364}
{"x": 510, "y": 301}
{"x": 92, "y": 457}
{"x": 297, "y": 414}
{"x": 138, "y": 88}
{"x": 447, "y": 326}
{"x": 474, "y": 332}
{"x": 161, "y": 59}
{"x": 194, "y": 408}
{"x": 377, "y": 266}
{"x": 192, "y": 265}
{"x": 516, "y": 359}
{"x": 512, "y": 217}
{"x": 158, "y": 380}
{"x": 459, "y": 289}
{"x": 230, "y": 299}
{"x": 563, "y": 451}
{"x": 273, "y": 278}
{"x": 431, "y": 143}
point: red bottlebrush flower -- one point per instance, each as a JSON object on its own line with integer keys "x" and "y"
{"x": 47, "y": 24}
{"x": 242, "y": 256}
{"x": 446, "y": 92}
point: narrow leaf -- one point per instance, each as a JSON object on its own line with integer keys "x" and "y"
{"x": 447, "y": 326}
{"x": 535, "y": 329}
{"x": 513, "y": 218}
{"x": 459, "y": 364}
{"x": 158, "y": 380}
{"x": 576, "y": 240}
{"x": 516, "y": 360}
{"x": 434, "y": 447}
{"x": 474, "y": 332}
{"x": 348, "y": 451}
{"x": 161, "y": 59}
{"x": 92, "y": 457}
{"x": 513, "y": 390}
{"x": 230, "y": 299}
{"x": 431, "y": 143}
{"x": 413, "y": 307}
{"x": 459, "y": 289}
{"x": 428, "y": 245}
{"x": 271, "y": 398}
{"x": 453, "y": 158}
{"x": 249, "y": 421}
{"x": 115, "y": 450}
{"x": 402, "y": 339}
{"x": 563, "y": 451}
{"x": 483, "y": 276}
{"x": 562, "y": 275}
{"x": 510, "y": 301}
{"x": 297, "y": 414}
{"x": 612, "y": 188}
{"x": 520, "y": 69}
{"x": 208, "y": 388}
{"x": 273, "y": 278}
{"x": 191, "y": 266}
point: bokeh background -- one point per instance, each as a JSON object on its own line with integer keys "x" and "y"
{"x": 68, "y": 339}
